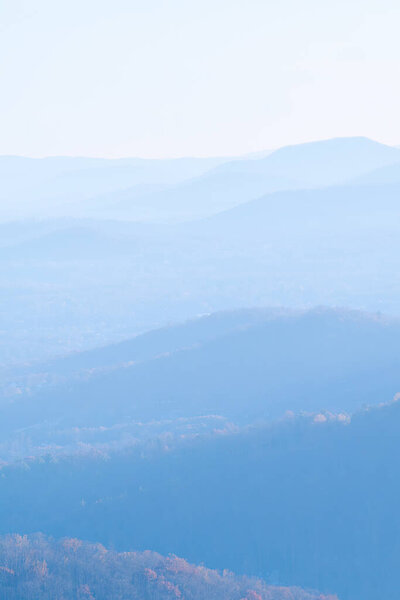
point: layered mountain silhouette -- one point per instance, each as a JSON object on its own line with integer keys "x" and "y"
{"x": 304, "y": 166}
{"x": 331, "y": 246}
{"x": 244, "y": 367}
{"x": 141, "y": 406}
{"x": 179, "y": 189}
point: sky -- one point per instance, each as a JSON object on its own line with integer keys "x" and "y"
{"x": 172, "y": 78}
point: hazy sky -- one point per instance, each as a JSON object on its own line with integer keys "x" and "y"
{"x": 183, "y": 77}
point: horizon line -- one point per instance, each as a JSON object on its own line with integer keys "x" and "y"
{"x": 251, "y": 154}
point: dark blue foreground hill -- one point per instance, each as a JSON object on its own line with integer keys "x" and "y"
{"x": 303, "y": 503}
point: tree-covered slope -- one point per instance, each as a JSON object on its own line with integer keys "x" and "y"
{"x": 38, "y": 567}
{"x": 304, "y": 503}
{"x": 245, "y": 366}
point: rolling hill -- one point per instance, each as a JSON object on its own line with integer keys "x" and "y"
{"x": 81, "y": 283}
{"x": 305, "y": 502}
{"x": 181, "y": 189}
{"x": 222, "y": 371}
{"x": 57, "y": 186}
{"x": 310, "y": 165}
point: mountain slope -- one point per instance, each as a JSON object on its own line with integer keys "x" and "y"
{"x": 150, "y": 345}
{"x": 56, "y": 186}
{"x": 37, "y": 566}
{"x": 303, "y": 213}
{"x": 320, "y": 163}
{"x": 335, "y": 247}
{"x": 234, "y": 182}
{"x": 386, "y": 175}
{"x": 306, "y": 502}
{"x": 252, "y": 367}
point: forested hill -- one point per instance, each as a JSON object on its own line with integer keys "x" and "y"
{"x": 39, "y": 567}
{"x": 303, "y": 503}
{"x": 241, "y": 366}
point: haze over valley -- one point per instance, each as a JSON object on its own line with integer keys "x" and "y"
{"x": 76, "y": 282}
{"x": 199, "y": 300}
{"x": 202, "y": 349}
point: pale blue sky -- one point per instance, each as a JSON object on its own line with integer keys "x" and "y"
{"x": 173, "y": 78}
